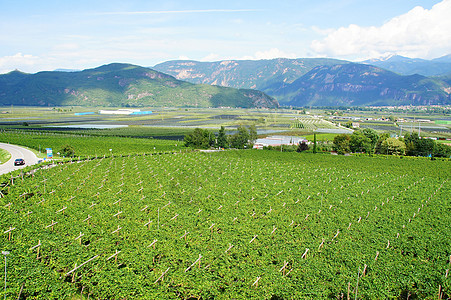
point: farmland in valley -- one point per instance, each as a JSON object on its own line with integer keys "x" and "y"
{"x": 232, "y": 224}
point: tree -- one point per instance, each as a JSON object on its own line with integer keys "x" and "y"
{"x": 314, "y": 143}
{"x": 222, "y": 138}
{"x": 67, "y": 151}
{"x": 393, "y": 146}
{"x": 348, "y": 124}
{"x": 341, "y": 143}
{"x": 425, "y": 147}
{"x": 302, "y": 146}
{"x": 253, "y": 134}
{"x": 359, "y": 142}
{"x": 382, "y": 138}
{"x": 200, "y": 138}
{"x": 411, "y": 141}
{"x": 442, "y": 150}
{"x": 419, "y": 147}
{"x": 373, "y": 136}
{"x": 240, "y": 140}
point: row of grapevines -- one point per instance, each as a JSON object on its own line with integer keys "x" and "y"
{"x": 231, "y": 224}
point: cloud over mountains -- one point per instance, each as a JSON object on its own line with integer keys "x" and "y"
{"x": 417, "y": 33}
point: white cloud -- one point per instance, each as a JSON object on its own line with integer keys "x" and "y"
{"x": 10, "y": 63}
{"x": 418, "y": 33}
{"x": 270, "y": 54}
{"x": 211, "y": 57}
{"x": 183, "y": 57}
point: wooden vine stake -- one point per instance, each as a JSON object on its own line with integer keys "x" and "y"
{"x": 51, "y": 225}
{"x": 357, "y": 286}
{"x": 256, "y": 281}
{"x": 161, "y": 275}
{"x": 338, "y": 232}
{"x": 230, "y": 247}
{"x": 153, "y": 243}
{"x": 320, "y": 245}
{"x": 283, "y": 269}
{"x": 184, "y": 236}
{"x": 114, "y": 255}
{"x": 273, "y": 230}
{"x": 61, "y": 210}
{"x": 37, "y": 246}
{"x": 253, "y": 238}
{"x": 349, "y": 291}
{"x": 71, "y": 271}
{"x": 364, "y": 269}
{"x": 87, "y": 219}
{"x": 73, "y": 275}
{"x": 9, "y": 232}
{"x": 117, "y": 230}
{"x": 148, "y": 224}
{"x": 197, "y": 260}
{"x": 79, "y": 237}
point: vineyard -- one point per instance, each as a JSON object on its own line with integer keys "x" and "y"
{"x": 312, "y": 124}
{"x": 86, "y": 145}
{"x": 233, "y": 224}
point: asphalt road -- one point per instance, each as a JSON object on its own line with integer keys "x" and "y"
{"x": 17, "y": 152}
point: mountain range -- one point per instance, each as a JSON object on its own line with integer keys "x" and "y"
{"x": 317, "y": 82}
{"x": 253, "y": 74}
{"x": 121, "y": 85}
{"x": 361, "y": 85}
{"x": 237, "y": 83}
{"x": 410, "y": 66}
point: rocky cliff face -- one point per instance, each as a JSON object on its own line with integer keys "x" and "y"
{"x": 248, "y": 74}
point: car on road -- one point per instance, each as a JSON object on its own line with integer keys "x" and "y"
{"x": 19, "y": 162}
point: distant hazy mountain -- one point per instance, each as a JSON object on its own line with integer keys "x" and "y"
{"x": 254, "y": 74}
{"x": 446, "y": 58}
{"x": 360, "y": 84}
{"x": 120, "y": 85}
{"x": 445, "y": 78}
{"x": 409, "y": 66}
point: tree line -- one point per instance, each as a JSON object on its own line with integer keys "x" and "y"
{"x": 368, "y": 141}
{"x": 205, "y": 139}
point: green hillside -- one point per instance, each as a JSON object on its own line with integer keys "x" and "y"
{"x": 120, "y": 85}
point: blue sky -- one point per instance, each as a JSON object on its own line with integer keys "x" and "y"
{"x": 46, "y": 35}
